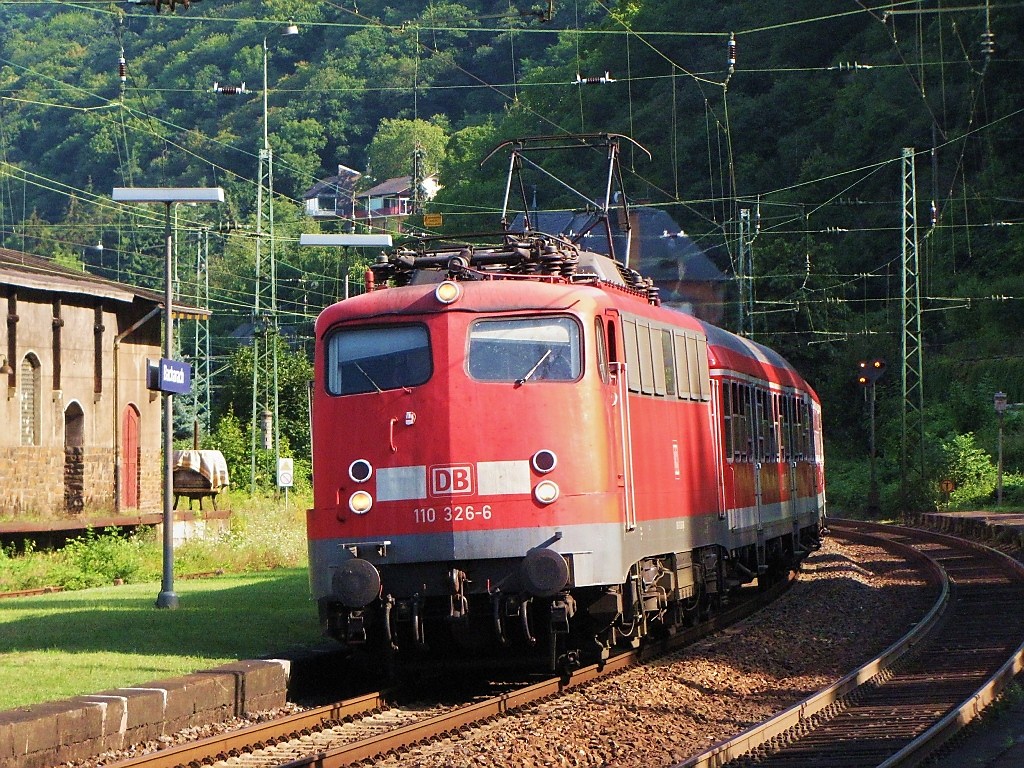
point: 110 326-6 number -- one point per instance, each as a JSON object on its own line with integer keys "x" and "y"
{"x": 468, "y": 513}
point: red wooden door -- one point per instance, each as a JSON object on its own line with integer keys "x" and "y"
{"x": 130, "y": 458}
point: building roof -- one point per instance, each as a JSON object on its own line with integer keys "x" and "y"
{"x": 395, "y": 186}
{"x": 666, "y": 252}
{"x": 344, "y": 180}
{"x": 25, "y": 270}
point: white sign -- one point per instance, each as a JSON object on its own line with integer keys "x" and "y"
{"x": 285, "y": 473}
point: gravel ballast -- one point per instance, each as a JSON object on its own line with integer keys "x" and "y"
{"x": 850, "y": 603}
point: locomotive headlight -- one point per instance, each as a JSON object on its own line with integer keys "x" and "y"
{"x": 447, "y": 292}
{"x": 544, "y": 461}
{"x": 546, "y": 491}
{"x": 360, "y": 502}
{"x": 360, "y": 470}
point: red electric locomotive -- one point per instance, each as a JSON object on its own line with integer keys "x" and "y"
{"x": 516, "y": 448}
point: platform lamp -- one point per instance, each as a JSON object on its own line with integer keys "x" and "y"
{"x": 349, "y": 240}
{"x": 168, "y": 196}
{"x": 5, "y": 369}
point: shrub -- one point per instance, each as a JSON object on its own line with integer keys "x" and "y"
{"x": 971, "y": 470}
{"x": 93, "y": 560}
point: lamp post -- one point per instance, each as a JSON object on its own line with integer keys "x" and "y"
{"x": 265, "y": 299}
{"x": 350, "y": 240}
{"x": 168, "y": 196}
{"x": 1000, "y": 406}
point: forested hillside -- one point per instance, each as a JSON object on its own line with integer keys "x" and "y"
{"x": 795, "y": 114}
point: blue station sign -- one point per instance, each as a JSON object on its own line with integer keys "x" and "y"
{"x": 171, "y": 376}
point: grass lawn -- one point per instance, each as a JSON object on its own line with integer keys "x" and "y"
{"x": 69, "y": 643}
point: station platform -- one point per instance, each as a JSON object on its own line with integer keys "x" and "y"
{"x": 1006, "y": 528}
{"x": 50, "y": 533}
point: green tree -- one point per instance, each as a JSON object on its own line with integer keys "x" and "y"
{"x": 294, "y": 372}
{"x": 391, "y": 151}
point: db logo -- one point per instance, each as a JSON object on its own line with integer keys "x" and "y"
{"x": 451, "y": 480}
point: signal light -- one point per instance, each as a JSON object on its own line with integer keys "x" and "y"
{"x": 870, "y": 371}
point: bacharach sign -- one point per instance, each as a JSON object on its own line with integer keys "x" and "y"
{"x": 171, "y": 376}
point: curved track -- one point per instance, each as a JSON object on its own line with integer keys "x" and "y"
{"x": 898, "y": 709}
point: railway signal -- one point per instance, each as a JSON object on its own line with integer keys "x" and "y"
{"x": 870, "y": 371}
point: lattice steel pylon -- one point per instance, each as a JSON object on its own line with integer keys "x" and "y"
{"x": 265, "y": 404}
{"x": 913, "y": 370}
{"x": 201, "y": 337}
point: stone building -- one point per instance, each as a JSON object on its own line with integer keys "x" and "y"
{"x": 79, "y": 430}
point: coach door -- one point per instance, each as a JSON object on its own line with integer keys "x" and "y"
{"x": 621, "y": 436}
{"x": 761, "y": 435}
{"x": 790, "y": 449}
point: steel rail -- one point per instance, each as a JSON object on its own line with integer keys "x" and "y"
{"x": 923, "y": 744}
{"x": 246, "y": 739}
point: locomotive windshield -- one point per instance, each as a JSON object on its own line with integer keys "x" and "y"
{"x": 525, "y": 349}
{"x": 374, "y": 359}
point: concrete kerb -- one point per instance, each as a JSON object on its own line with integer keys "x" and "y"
{"x": 54, "y": 732}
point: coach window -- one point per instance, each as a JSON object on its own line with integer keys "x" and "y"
{"x": 602, "y": 350}
{"x": 693, "y": 365}
{"x": 668, "y": 362}
{"x": 704, "y": 375}
{"x": 747, "y": 424}
{"x": 643, "y": 335}
{"x": 727, "y": 417}
{"x": 801, "y": 430}
{"x": 682, "y": 372}
{"x": 785, "y": 422}
{"x": 363, "y": 360}
{"x": 527, "y": 349}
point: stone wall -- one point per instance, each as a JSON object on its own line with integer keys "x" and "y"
{"x": 36, "y": 482}
{"x": 32, "y": 482}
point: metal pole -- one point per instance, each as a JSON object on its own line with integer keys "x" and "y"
{"x": 999, "y": 476}
{"x": 168, "y": 196}
{"x": 873, "y": 504}
{"x": 266, "y": 133}
{"x": 1000, "y": 405}
{"x": 167, "y": 598}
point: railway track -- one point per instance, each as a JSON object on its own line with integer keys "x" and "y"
{"x": 893, "y": 711}
{"x": 371, "y": 725}
{"x": 901, "y": 707}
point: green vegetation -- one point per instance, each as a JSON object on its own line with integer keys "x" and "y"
{"x": 66, "y": 644}
{"x": 102, "y": 636}
{"x": 806, "y": 133}
{"x": 264, "y": 536}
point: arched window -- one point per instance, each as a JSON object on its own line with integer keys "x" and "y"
{"x": 74, "y": 458}
{"x": 74, "y": 426}
{"x": 31, "y": 398}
